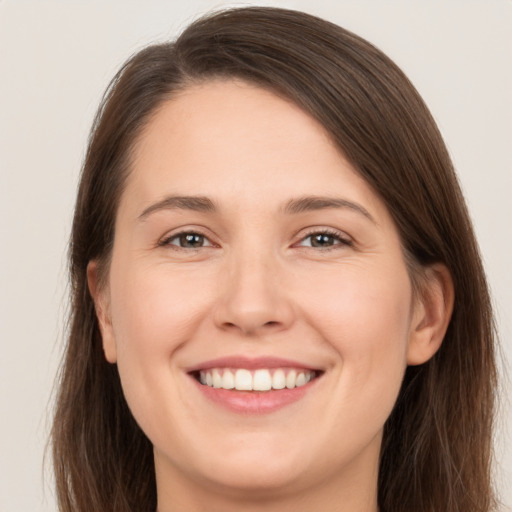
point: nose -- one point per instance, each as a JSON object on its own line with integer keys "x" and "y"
{"x": 253, "y": 300}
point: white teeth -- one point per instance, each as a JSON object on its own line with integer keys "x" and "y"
{"x": 301, "y": 380}
{"x": 228, "y": 380}
{"x": 291, "y": 379}
{"x": 257, "y": 380}
{"x": 262, "y": 380}
{"x": 243, "y": 380}
{"x": 278, "y": 380}
{"x": 216, "y": 378}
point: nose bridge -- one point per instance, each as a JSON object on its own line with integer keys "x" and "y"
{"x": 253, "y": 299}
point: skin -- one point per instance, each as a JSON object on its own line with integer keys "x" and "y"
{"x": 258, "y": 287}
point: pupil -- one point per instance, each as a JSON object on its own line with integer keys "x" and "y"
{"x": 322, "y": 240}
{"x": 191, "y": 240}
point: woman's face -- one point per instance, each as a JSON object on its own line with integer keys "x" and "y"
{"x": 249, "y": 253}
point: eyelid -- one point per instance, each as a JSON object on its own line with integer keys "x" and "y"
{"x": 344, "y": 239}
{"x": 165, "y": 241}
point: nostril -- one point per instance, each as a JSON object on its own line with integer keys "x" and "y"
{"x": 251, "y": 327}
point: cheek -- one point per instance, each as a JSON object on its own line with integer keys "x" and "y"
{"x": 362, "y": 302}
{"x": 366, "y": 321}
{"x": 153, "y": 315}
{"x": 152, "y": 309}
{"x": 363, "y": 313}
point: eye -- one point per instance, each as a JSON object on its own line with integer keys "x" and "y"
{"x": 324, "y": 240}
{"x": 187, "y": 240}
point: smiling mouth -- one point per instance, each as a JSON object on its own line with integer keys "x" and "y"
{"x": 261, "y": 380}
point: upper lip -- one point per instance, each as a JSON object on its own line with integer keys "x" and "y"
{"x": 249, "y": 363}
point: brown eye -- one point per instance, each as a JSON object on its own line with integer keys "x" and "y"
{"x": 324, "y": 240}
{"x": 189, "y": 241}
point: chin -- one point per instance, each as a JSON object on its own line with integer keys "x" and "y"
{"x": 261, "y": 479}
{"x": 260, "y": 468}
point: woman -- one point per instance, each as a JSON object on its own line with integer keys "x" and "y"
{"x": 278, "y": 301}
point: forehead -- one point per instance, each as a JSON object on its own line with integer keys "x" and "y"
{"x": 233, "y": 140}
{"x": 212, "y": 115}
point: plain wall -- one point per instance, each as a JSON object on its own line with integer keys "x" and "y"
{"x": 56, "y": 58}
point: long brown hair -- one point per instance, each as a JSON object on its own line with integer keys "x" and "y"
{"x": 436, "y": 451}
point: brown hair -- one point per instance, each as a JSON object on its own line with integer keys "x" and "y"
{"x": 436, "y": 448}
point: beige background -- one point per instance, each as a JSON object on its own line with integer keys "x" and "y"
{"x": 56, "y": 58}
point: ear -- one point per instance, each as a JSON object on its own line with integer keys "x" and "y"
{"x": 431, "y": 315}
{"x": 101, "y": 298}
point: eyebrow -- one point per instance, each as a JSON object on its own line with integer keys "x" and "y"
{"x": 312, "y": 203}
{"x": 294, "y": 206}
{"x": 195, "y": 203}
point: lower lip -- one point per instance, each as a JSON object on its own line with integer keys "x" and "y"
{"x": 254, "y": 402}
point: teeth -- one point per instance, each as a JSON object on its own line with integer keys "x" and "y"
{"x": 243, "y": 380}
{"x": 291, "y": 379}
{"x": 278, "y": 380}
{"x": 258, "y": 380}
{"x": 262, "y": 380}
{"x": 216, "y": 379}
{"x": 228, "y": 380}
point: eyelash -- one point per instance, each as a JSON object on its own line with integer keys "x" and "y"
{"x": 340, "y": 238}
{"x": 167, "y": 241}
